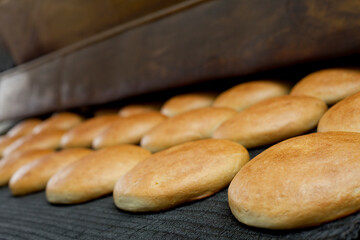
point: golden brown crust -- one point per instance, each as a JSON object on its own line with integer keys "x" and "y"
{"x": 343, "y": 116}
{"x": 272, "y": 120}
{"x": 11, "y": 163}
{"x": 6, "y": 141}
{"x": 186, "y": 102}
{"x": 180, "y": 174}
{"x": 63, "y": 121}
{"x": 246, "y": 94}
{"x": 188, "y": 126}
{"x": 330, "y": 85}
{"x": 33, "y": 176}
{"x": 300, "y": 182}
{"x": 47, "y": 139}
{"x": 134, "y": 109}
{"x": 83, "y": 134}
{"x": 128, "y": 130}
{"x": 94, "y": 175}
{"x": 24, "y": 127}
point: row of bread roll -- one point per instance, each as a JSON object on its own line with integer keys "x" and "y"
{"x": 263, "y": 123}
{"x": 36, "y": 134}
{"x": 266, "y": 116}
{"x": 183, "y": 173}
{"x": 194, "y": 121}
{"x": 239, "y": 98}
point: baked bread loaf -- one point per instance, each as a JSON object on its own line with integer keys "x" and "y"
{"x": 94, "y": 175}
{"x": 24, "y": 127}
{"x": 180, "y": 174}
{"x": 63, "y": 120}
{"x": 10, "y": 164}
{"x": 343, "y": 116}
{"x": 272, "y": 120}
{"x": 134, "y": 109}
{"x": 188, "y": 126}
{"x": 6, "y": 141}
{"x": 83, "y": 134}
{"x": 303, "y": 181}
{"x": 128, "y": 130}
{"x": 330, "y": 85}
{"x": 249, "y": 93}
{"x": 186, "y": 102}
{"x": 33, "y": 176}
{"x": 47, "y": 139}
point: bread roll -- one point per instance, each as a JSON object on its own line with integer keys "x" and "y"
{"x": 249, "y": 93}
{"x": 24, "y": 127}
{"x": 83, "y": 134}
{"x": 94, "y": 175}
{"x": 135, "y": 109}
{"x": 186, "y": 102}
{"x": 343, "y": 116}
{"x": 128, "y": 130}
{"x": 300, "y": 182}
{"x": 33, "y": 176}
{"x": 330, "y": 85}
{"x": 272, "y": 120}
{"x": 47, "y": 139}
{"x": 183, "y": 173}
{"x": 188, "y": 126}
{"x": 10, "y": 164}
{"x": 6, "y": 141}
{"x": 64, "y": 121}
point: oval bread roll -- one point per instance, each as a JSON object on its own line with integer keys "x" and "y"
{"x": 249, "y": 93}
{"x": 188, "y": 126}
{"x": 94, "y": 175}
{"x": 186, "y": 102}
{"x": 33, "y": 176}
{"x": 330, "y": 85}
{"x": 6, "y": 141}
{"x": 272, "y": 120}
{"x": 303, "y": 181}
{"x": 10, "y": 164}
{"x": 180, "y": 174}
{"x": 24, "y": 127}
{"x": 64, "y": 121}
{"x": 49, "y": 139}
{"x": 83, "y": 134}
{"x": 128, "y": 130}
{"x": 135, "y": 109}
{"x": 343, "y": 116}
